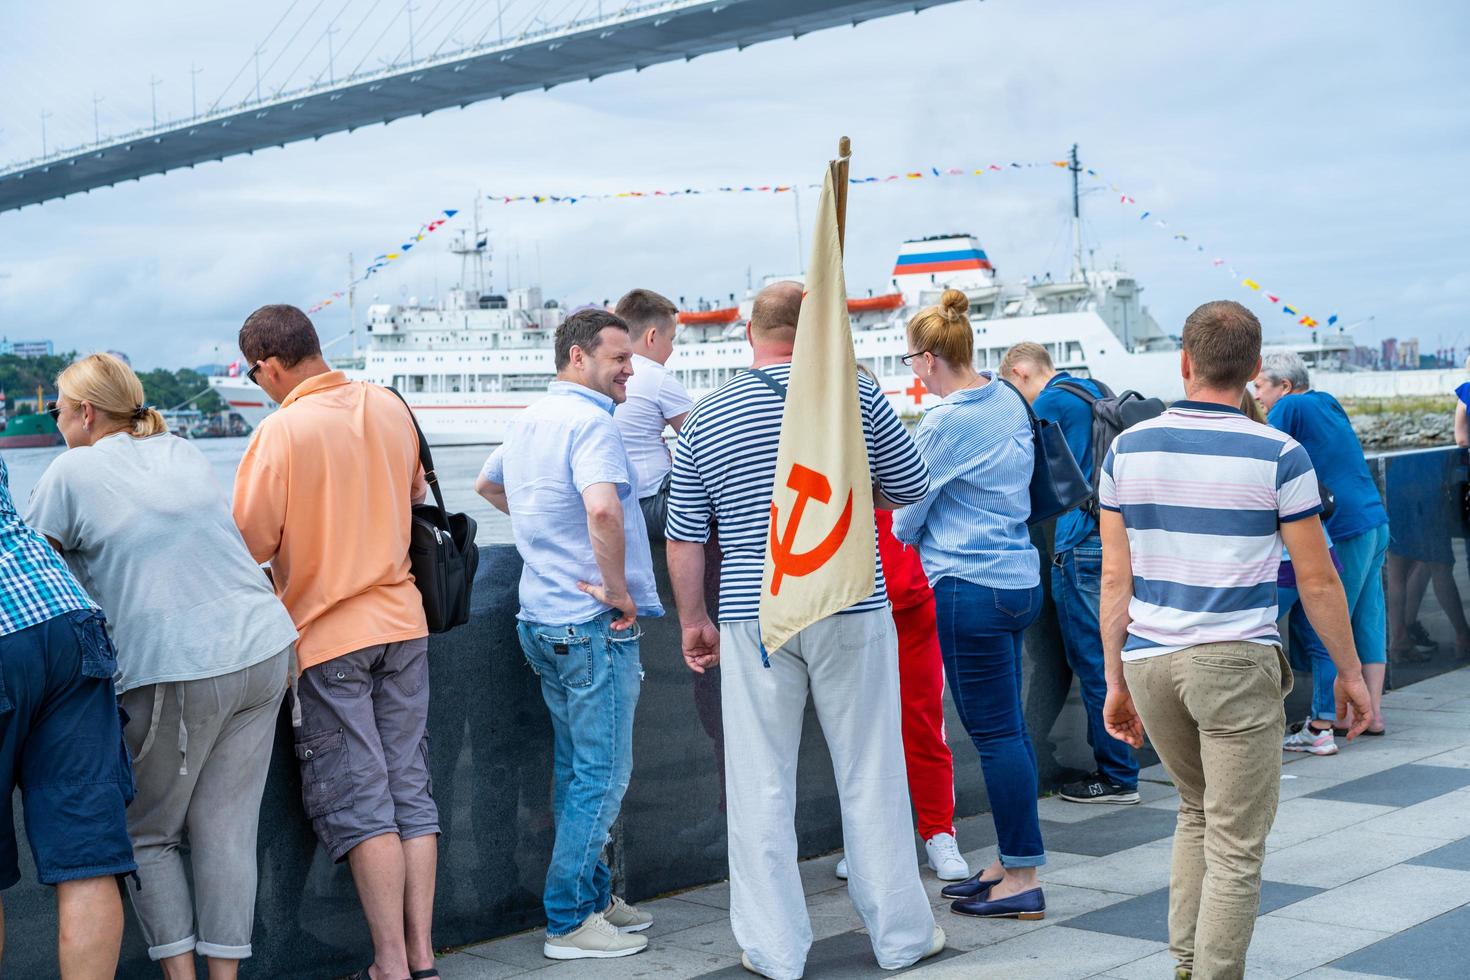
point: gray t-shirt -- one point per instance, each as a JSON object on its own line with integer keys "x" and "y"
{"x": 147, "y": 530}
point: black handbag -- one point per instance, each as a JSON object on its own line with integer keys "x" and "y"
{"x": 442, "y": 553}
{"x": 1057, "y": 483}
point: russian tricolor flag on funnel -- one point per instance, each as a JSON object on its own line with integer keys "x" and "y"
{"x": 956, "y": 254}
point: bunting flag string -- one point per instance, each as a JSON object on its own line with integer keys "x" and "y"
{"x": 928, "y": 173}
{"x": 382, "y": 260}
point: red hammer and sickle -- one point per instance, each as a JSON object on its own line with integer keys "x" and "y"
{"x": 809, "y": 485}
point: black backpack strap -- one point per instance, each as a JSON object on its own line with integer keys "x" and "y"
{"x": 769, "y": 381}
{"x": 1081, "y": 391}
{"x": 426, "y": 459}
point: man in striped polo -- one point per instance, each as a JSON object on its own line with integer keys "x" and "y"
{"x": 1195, "y": 507}
{"x": 724, "y": 470}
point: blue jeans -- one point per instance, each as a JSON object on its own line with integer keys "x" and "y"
{"x": 1362, "y": 558}
{"x": 590, "y": 678}
{"x": 1075, "y": 584}
{"x": 1307, "y": 648}
{"x": 980, "y": 632}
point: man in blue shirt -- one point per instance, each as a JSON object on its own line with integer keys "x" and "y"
{"x": 1359, "y": 524}
{"x": 564, "y": 478}
{"x": 61, "y": 743}
{"x": 1076, "y": 569}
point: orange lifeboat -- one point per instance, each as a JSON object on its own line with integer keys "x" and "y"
{"x": 875, "y": 304}
{"x": 704, "y": 317}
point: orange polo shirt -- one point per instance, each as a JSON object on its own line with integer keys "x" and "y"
{"x": 324, "y": 494}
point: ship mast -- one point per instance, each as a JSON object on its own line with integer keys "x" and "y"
{"x": 472, "y": 247}
{"x": 1076, "y": 169}
{"x": 352, "y": 302}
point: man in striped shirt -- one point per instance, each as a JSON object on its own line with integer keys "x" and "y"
{"x": 724, "y": 470}
{"x": 1195, "y": 506}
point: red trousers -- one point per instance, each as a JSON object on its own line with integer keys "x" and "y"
{"x": 921, "y": 688}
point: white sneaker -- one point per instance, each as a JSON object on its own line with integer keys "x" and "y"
{"x": 945, "y": 858}
{"x": 596, "y": 938}
{"x": 1308, "y": 739}
{"x": 842, "y": 869}
{"x": 626, "y": 918}
{"x": 936, "y": 945}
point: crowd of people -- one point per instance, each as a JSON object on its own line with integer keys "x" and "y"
{"x": 129, "y": 724}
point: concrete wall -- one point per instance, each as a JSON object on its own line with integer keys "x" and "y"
{"x": 1388, "y": 384}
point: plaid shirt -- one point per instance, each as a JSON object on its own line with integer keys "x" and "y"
{"x": 35, "y": 584}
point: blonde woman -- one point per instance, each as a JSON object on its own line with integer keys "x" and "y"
{"x": 203, "y": 652}
{"x": 971, "y": 536}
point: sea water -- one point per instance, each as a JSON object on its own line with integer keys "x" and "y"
{"x": 457, "y": 467}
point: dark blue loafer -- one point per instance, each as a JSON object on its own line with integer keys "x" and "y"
{"x": 1025, "y": 905}
{"x": 972, "y": 887}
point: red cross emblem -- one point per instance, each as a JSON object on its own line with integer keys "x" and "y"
{"x": 917, "y": 391}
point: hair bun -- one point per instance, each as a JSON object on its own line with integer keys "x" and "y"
{"x": 954, "y": 305}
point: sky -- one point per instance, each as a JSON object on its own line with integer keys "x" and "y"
{"x": 1319, "y": 148}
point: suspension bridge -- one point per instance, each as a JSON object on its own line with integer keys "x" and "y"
{"x": 541, "y": 51}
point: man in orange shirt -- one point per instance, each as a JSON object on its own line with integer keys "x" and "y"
{"x": 323, "y": 494}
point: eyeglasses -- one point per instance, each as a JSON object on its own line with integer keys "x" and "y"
{"x": 53, "y": 410}
{"x": 907, "y": 359}
{"x": 250, "y": 375}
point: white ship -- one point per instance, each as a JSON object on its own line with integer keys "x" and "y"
{"x": 470, "y": 364}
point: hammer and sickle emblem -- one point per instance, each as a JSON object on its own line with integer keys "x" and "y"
{"x": 809, "y": 485}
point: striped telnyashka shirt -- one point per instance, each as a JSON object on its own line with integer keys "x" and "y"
{"x": 725, "y": 467}
{"x": 1203, "y": 491}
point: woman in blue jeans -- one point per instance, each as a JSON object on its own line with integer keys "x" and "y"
{"x": 971, "y": 535}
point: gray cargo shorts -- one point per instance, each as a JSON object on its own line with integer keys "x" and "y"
{"x": 363, "y": 746}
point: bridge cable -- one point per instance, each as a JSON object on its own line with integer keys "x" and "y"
{"x": 348, "y": 43}
{"x": 464, "y": 19}
{"x": 393, "y": 20}
{"x": 215, "y": 105}
{"x": 292, "y": 40}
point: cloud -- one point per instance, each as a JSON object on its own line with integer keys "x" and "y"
{"x": 1312, "y": 144}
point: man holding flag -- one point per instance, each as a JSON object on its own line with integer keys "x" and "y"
{"x": 802, "y": 608}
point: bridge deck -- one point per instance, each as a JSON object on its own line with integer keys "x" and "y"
{"x": 652, "y": 34}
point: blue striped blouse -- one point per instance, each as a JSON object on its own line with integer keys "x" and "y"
{"x": 977, "y": 444}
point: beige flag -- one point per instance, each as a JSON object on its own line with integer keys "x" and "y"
{"x": 819, "y": 555}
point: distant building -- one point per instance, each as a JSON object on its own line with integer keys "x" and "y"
{"x": 1409, "y": 353}
{"x": 1364, "y": 357}
{"x": 26, "y": 348}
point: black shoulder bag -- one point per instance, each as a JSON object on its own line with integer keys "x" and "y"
{"x": 441, "y": 550}
{"x": 1057, "y": 483}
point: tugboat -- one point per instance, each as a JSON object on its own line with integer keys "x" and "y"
{"x": 29, "y": 431}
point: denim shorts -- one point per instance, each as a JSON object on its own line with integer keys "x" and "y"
{"x": 363, "y": 746}
{"x": 61, "y": 743}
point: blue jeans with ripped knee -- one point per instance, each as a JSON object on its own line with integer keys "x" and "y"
{"x": 590, "y": 677}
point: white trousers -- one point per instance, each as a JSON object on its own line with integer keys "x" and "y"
{"x": 850, "y": 665}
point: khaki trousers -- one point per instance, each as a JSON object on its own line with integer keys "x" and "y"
{"x": 1214, "y": 714}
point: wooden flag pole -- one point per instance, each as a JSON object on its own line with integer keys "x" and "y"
{"x": 839, "y": 182}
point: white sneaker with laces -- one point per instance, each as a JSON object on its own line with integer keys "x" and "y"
{"x": 1309, "y": 739}
{"x": 626, "y": 918}
{"x": 595, "y": 938}
{"x": 945, "y": 858}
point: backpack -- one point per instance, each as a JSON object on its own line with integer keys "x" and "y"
{"x": 1111, "y": 414}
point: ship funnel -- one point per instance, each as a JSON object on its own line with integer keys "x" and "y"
{"x": 927, "y": 264}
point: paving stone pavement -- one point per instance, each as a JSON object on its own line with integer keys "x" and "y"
{"x": 1367, "y": 874}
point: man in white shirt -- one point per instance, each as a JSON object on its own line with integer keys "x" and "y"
{"x": 655, "y": 399}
